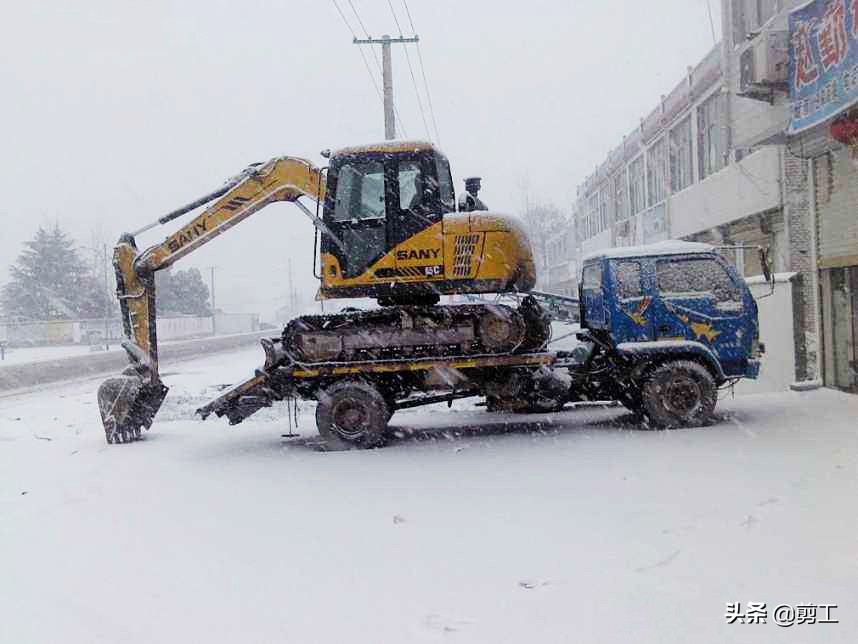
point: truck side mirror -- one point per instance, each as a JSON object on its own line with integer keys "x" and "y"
{"x": 765, "y": 262}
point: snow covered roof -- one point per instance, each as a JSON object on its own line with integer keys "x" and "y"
{"x": 394, "y": 145}
{"x": 669, "y": 247}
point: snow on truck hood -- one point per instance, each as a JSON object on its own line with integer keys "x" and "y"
{"x": 669, "y": 247}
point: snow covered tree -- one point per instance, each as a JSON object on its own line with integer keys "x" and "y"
{"x": 182, "y": 292}
{"x": 50, "y": 281}
{"x": 543, "y": 221}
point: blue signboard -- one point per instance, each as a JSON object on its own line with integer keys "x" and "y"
{"x": 823, "y": 61}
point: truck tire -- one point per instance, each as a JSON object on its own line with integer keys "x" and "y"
{"x": 680, "y": 393}
{"x": 352, "y": 415}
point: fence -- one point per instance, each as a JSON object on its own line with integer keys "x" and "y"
{"x": 54, "y": 332}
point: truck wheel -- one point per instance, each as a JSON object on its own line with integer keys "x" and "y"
{"x": 679, "y": 394}
{"x": 352, "y": 414}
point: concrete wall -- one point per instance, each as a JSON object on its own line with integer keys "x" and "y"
{"x": 21, "y": 376}
{"x": 739, "y": 190}
{"x": 776, "y": 332}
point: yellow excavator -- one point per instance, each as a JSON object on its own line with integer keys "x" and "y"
{"x": 388, "y": 227}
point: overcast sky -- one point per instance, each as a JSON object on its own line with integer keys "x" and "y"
{"x": 116, "y": 112}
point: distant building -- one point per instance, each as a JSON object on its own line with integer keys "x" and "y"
{"x": 561, "y": 260}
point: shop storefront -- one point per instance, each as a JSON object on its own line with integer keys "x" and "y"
{"x": 823, "y": 79}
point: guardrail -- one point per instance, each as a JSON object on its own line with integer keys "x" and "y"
{"x": 30, "y": 374}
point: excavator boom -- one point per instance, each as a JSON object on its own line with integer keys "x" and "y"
{"x": 130, "y": 401}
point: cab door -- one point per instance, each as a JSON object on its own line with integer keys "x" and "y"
{"x": 356, "y": 212}
{"x": 634, "y": 322}
{"x": 700, "y": 299}
{"x": 415, "y": 209}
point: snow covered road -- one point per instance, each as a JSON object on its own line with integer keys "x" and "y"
{"x": 469, "y": 527}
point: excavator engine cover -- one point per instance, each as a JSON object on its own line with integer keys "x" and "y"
{"x": 128, "y": 403}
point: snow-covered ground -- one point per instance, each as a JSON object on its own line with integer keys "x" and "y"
{"x": 469, "y": 527}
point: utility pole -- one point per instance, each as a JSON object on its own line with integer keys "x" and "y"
{"x": 387, "y": 74}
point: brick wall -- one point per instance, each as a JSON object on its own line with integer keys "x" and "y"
{"x": 798, "y": 220}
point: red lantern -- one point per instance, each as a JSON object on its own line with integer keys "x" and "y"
{"x": 845, "y": 130}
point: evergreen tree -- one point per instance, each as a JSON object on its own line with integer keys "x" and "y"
{"x": 50, "y": 281}
{"x": 181, "y": 292}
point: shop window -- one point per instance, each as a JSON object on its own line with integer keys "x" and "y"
{"x": 637, "y": 186}
{"x": 711, "y": 135}
{"x": 657, "y": 172}
{"x": 681, "y": 166}
{"x": 620, "y": 197}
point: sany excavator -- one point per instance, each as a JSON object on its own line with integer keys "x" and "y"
{"x": 389, "y": 230}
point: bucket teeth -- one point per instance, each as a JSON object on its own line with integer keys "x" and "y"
{"x": 127, "y": 405}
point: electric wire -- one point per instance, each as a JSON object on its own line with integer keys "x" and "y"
{"x": 411, "y": 70}
{"x": 711, "y": 21}
{"x": 363, "y": 57}
{"x": 423, "y": 73}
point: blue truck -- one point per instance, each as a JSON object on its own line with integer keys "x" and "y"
{"x": 662, "y": 328}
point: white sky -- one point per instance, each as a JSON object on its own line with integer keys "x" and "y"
{"x": 116, "y": 112}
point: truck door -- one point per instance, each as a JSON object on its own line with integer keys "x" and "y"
{"x": 699, "y": 299}
{"x": 634, "y": 322}
{"x": 593, "y": 312}
{"x": 357, "y": 215}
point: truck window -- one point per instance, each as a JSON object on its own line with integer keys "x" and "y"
{"x": 696, "y": 278}
{"x": 592, "y": 277}
{"x": 360, "y": 191}
{"x": 628, "y": 277}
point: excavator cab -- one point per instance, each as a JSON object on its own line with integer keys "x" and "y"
{"x": 378, "y": 199}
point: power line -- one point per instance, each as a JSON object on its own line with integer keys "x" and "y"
{"x": 366, "y": 33}
{"x": 365, "y": 62}
{"x": 423, "y": 73}
{"x": 411, "y": 71}
{"x": 711, "y": 21}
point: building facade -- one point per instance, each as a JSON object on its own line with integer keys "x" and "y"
{"x": 822, "y": 136}
{"x": 714, "y": 162}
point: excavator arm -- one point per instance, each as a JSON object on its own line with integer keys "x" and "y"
{"x": 131, "y": 400}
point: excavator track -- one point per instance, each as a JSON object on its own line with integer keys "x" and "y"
{"x": 413, "y": 332}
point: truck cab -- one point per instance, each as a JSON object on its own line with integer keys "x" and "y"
{"x": 675, "y": 303}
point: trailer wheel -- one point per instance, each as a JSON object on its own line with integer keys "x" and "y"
{"x": 680, "y": 393}
{"x": 352, "y": 414}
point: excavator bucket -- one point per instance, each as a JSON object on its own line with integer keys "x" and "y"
{"x": 128, "y": 402}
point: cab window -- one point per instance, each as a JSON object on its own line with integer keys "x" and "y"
{"x": 696, "y": 278}
{"x": 360, "y": 191}
{"x": 592, "y": 277}
{"x": 628, "y": 278}
{"x": 410, "y": 185}
{"x": 445, "y": 184}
